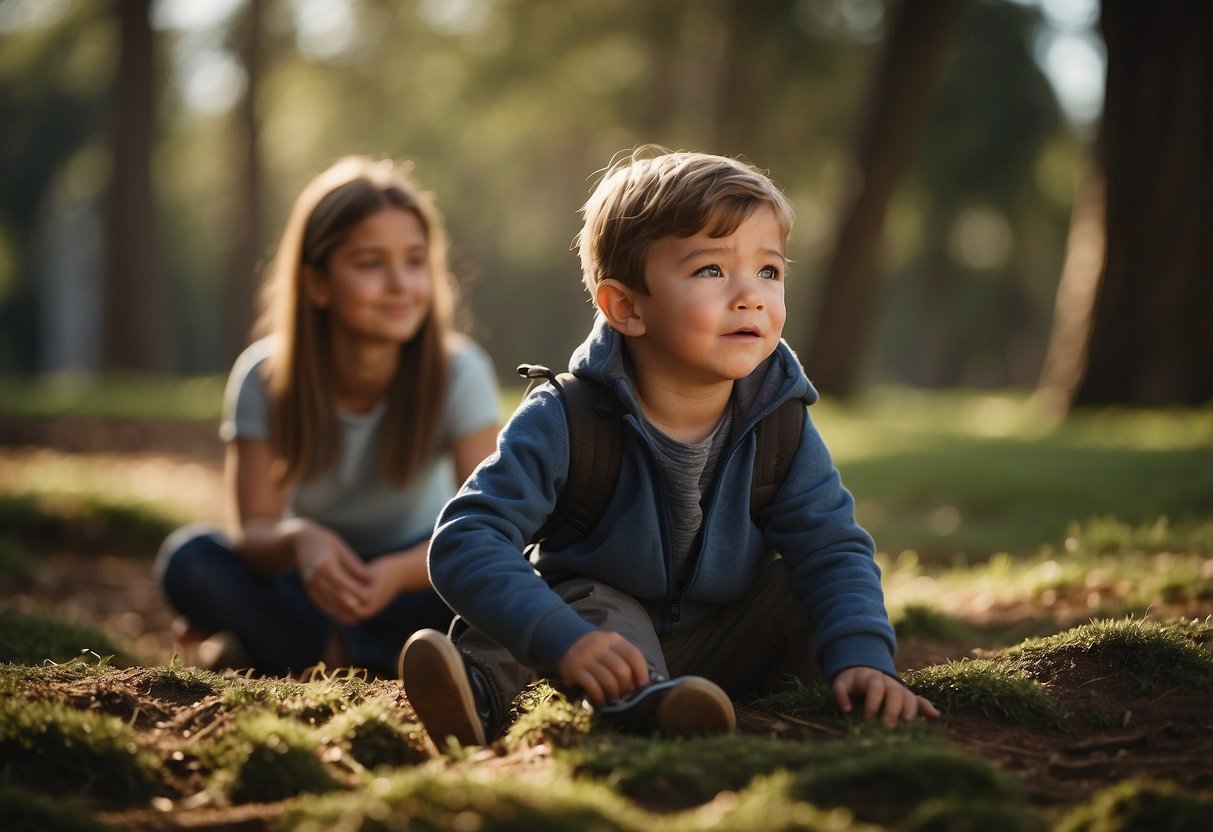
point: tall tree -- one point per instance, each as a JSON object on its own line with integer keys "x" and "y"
{"x": 1141, "y": 331}
{"x": 905, "y": 80}
{"x": 247, "y": 220}
{"x": 136, "y": 328}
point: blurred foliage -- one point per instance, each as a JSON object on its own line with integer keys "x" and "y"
{"x": 508, "y": 107}
{"x": 113, "y": 396}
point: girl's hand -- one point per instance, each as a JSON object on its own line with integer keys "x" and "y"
{"x": 605, "y": 665}
{"x": 382, "y": 585}
{"x": 881, "y": 694}
{"x": 336, "y": 579}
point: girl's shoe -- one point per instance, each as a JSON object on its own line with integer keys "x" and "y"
{"x": 209, "y": 651}
{"x": 222, "y": 651}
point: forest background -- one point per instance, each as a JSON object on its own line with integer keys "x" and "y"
{"x": 937, "y": 153}
{"x": 1005, "y": 201}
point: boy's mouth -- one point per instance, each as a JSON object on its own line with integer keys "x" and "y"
{"x": 745, "y": 331}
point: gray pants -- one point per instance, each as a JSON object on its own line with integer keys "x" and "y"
{"x": 747, "y": 646}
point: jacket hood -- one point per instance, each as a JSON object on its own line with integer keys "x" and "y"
{"x": 603, "y": 357}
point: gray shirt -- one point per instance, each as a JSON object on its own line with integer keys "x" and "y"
{"x": 689, "y": 470}
{"x": 352, "y": 498}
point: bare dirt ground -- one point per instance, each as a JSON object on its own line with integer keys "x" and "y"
{"x": 1115, "y": 732}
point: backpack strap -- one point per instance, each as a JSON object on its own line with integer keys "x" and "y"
{"x": 595, "y": 454}
{"x": 778, "y": 437}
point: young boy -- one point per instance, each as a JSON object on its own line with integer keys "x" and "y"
{"x": 675, "y": 604}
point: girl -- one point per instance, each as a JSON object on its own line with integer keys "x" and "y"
{"x": 348, "y": 426}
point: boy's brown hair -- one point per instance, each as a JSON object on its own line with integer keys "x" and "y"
{"x": 652, "y": 193}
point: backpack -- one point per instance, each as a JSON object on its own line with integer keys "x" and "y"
{"x": 596, "y": 451}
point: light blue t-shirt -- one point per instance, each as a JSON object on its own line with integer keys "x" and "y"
{"x": 352, "y": 498}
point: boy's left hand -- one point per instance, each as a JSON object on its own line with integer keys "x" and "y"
{"x": 881, "y": 694}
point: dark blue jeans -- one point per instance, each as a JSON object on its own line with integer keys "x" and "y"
{"x": 213, "y": 587}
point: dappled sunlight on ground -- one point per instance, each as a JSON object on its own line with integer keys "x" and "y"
{"x": 189, "y": 489}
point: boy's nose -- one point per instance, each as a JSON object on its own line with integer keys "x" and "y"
{"x": 748, "y": 299}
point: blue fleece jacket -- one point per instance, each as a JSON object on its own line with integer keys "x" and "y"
{"x": 477, "y": 561}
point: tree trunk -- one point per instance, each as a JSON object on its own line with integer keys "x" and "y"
{"x": 1086, "y": 249}
{"x": 750, "y": 68}
{"x": 240, "y": 283}
{"x": 137, "y": 331}
{"x": 1151, "y": 337}
{"x": 906, "y": 79}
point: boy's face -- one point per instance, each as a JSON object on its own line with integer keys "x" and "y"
{"x": 715, "y": 308}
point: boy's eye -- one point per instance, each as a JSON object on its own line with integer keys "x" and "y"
{"x": 710, "y": 271}
{"x": 769, "y": 273}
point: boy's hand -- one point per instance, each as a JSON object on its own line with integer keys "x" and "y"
{"x": 881, "y": 694}
{"x": 605, "y": 665}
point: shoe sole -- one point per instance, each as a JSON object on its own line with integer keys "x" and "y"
{"x": 695, "y": 706}
{"x": 436, "y": 684}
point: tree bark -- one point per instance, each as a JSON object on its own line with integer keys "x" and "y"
{"x": 1151, "y": 336}
{"x": 247, "y": 230}
{"x": 136, "y": 328}
{"x": 905, "y": 82}
{"x": 1086, "y": 252}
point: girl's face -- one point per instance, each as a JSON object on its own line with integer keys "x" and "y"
{"x": 377, "y": 285}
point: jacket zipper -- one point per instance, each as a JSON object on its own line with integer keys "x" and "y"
{"x": 707, "y": 514}
{"x": 673, "y": 609}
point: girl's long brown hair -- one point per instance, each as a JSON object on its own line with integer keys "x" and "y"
{"x": 304, "y": 430}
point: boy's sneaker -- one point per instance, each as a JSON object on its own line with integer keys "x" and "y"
{"x": 681, "y": 707}
{"x": 449, "y": 697}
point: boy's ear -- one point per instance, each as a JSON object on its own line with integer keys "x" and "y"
{"x": 315, "y": 286}
{"x": 618, "y": 304}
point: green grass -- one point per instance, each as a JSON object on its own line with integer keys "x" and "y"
{"x": 264, "y": 758}
{"x": 921, "y": 621}
{"x": 25, "y": 811}
{"x": 962, "y": 473}
{"x": 59, "y": 750}
{"x": 84, "y": 521}
{"x": 544, "y": 714}
{"x": 173, "y": 677}
{"x": 1110, "y": 566}
{"x": 34, "y": 638}
{"x": 877, "y": 778}
{"x": 486, "y": 801}
{"x": 374, "y": 735}
{"x": 989, "y": 688}
{"x": 16, "y": 563}
{"x": 1152, "y": 655}
{"x": 995, "y": 689}
{"x": 129, "y": 396}
{"x": 953, "y": 814}
{"x": 1133, "y": 805}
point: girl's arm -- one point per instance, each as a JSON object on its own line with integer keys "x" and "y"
{"x": 256, "y": 508}
{"x": 405, "y": 571}
{"x": 335, "y": 577}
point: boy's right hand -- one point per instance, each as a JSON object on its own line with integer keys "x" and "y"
{"x": 605, "y": 665}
